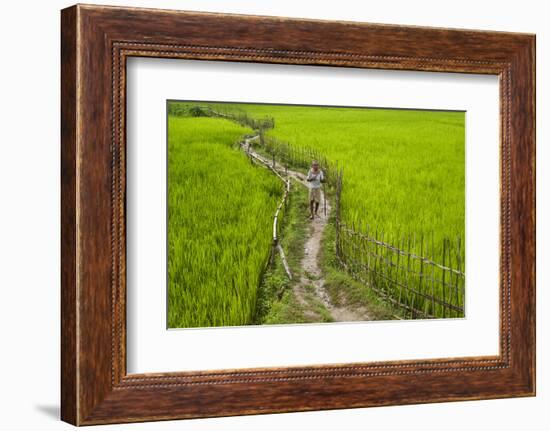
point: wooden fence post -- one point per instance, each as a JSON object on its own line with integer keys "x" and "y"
{"x": 407, "y": 293}
{"x": 400, "y": 268}
{"x": 421, "y": 276}
{"x": 432, "y": 254}
{"x": 459, "y": 268}
{"x": 444, "y": 287}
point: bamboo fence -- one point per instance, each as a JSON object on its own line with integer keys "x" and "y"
{"x": 279, "y": 212}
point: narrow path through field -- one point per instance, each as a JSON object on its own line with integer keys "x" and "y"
{"x": 311, "y": 278}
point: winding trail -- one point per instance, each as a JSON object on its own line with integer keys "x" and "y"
{"x": 311, "y": 281}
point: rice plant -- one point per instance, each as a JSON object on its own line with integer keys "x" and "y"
{"x": 220, "y": 210}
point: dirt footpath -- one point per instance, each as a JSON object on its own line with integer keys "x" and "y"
{"x": 311, "y": 280}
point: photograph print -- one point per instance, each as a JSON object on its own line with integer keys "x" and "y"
{"x": 298, "y": 214}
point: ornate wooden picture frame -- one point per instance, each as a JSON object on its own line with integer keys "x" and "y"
{"x": 96, "y": 41}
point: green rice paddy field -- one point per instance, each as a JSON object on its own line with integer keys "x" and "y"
{"x": 404, "y": 170}
{"x": 404, "y": 173}
{"x": 219, "y": 224}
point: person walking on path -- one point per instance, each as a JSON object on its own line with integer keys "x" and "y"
{"x": 315, "y": 177}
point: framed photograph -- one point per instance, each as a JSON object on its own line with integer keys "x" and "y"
{"x": 264, "y": 214}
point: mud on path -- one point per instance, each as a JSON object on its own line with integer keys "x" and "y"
{"x": 309, "y": 288}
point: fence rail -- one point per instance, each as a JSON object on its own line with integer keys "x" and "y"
{"x": 422, "y": 284}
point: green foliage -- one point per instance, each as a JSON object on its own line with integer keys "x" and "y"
{"x": 276, "y": 301}
{"x": 404, "y": 184}
{"x": 404, "y": 170}
{"x": 404, "y": 176}
{"x": 285, "y": 311}
{"x": 220, "y": 211}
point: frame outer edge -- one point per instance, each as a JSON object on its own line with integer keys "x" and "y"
{"x": 533, "y": 54}
{"x": 532, "y": 62}
{"x": 523, "y": 216}
{"x": 69, "y": 355}
{"x": 87, "y": 397}
{"x": 528, "y": 60}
